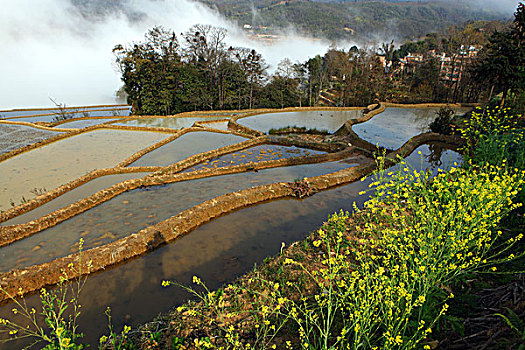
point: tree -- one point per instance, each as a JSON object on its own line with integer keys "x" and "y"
{"x": 205, "y": 48}
{"x": 425, "y": 81}
{"x": 502, "y": 57}
{"x": 150, "y": 72}
{"x": 254, "y": 68}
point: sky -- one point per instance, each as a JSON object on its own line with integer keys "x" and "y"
{"x": 53, "y": 49}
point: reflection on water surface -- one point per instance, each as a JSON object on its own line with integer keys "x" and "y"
{"x": 321, "y": 120}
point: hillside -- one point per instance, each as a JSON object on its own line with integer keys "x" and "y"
{"x": 350, "y": 20}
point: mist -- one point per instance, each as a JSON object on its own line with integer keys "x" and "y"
{"x": 504, "y": 7}
{"x": 62, "y": 49}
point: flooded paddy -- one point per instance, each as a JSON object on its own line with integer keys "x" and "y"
{"x": 121, "y": 109}
{"x": 54, "y": 115}
{"x": 255, "y": 154}
{"x": 320, "y": 120}
{"x": 168, "y": 122}
{"x": 220, "y": 125}
{"x": 73, "y": 196}
{"x": 395, "y": 126}
{"x": 217, "y": 252}
{"x": 13, "y": 137}
{"x": 60, "y": 162}
{"x": 79, "y": 124}
{"x": 137, "y": 209}
{"x": 185, "y": 146}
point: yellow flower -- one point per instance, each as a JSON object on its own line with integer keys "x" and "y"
{"x": 64, "y": 342}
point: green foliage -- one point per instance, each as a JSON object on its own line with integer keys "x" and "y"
{"x": 203, "y": 73}
{"x": 443, "y": 122}
{"x": 516, "y": 325}
{"x": 115, "y": 341}
{"x": 161, "y": 77}
{"x": 60, "y": 312}
{"x": 366, "y": 19}
{"x": 494, "y": 136}
{"x": 507, "y": 149}
{"x": 501, "y": 58}
{"x": 425, "y": 83}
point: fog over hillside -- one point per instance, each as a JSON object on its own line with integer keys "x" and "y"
{"x": 63, "y": 48}
{"x": 506, "y": 7}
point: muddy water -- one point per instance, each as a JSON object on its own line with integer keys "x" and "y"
{"x": 134, "y": 210}
{"x": 395, "y": 126}
{"x": 52, "y": 115}
{"x": 122, "y": 110}
{"x": 185, "y": 146}
{"x": 321, "y": 120}
{"x": 72, "y": 196}
{"x": 218, "y": 252}
{"x": 79, "y": 124}
{"x": 255, "y": 154}
{"x": 172, "y": 123}
{"x": 65, "y": 160}
{"x": 217, "y": 125}
{"x": 16, "y": 136}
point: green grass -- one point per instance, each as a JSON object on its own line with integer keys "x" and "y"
{"x": 297, "y": 130}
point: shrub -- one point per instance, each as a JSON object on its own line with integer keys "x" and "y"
{"x": 443, "y": 122}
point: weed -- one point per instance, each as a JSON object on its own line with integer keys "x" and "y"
{"x": 516, "y": 324}
{"x": 38, "y": 191}
{"x": 115, "y": 341}
{"x": 443, "y": 122}
{"x": 297, "y": 130}
{"x": 60, "y": 312}
{"x": 63, "y": 112}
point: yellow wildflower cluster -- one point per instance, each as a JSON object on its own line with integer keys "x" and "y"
{"x": 417, "y": 233}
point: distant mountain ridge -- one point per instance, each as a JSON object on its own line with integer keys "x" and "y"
{"x": 354, "y": 20}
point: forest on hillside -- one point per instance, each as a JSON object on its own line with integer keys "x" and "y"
{"x": 364, "y": 21}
